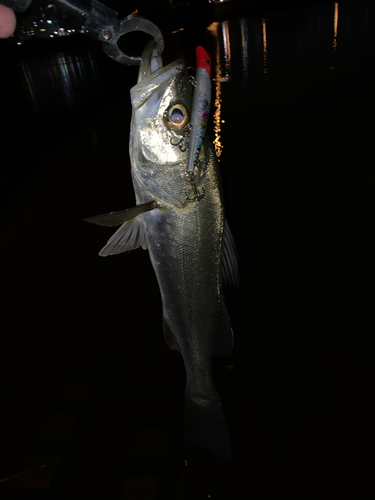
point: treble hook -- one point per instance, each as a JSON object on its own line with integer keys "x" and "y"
{"x": 191, "y": 77}
{"x": 181, "y": 140}
{"x": 198, "y": 195}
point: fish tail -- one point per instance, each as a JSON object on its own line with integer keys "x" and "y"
{"x": 205, "y": 426}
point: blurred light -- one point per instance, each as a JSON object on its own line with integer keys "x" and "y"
{"x": 264, "y": 30}
{"x": 49, "y": 21}
{"x": 42, "y": 29}
{"x": 227, "y": 51}
{"x": 244, "y": 48}
{"x": 214, "y": 29}
{"x": 28, "y": 80}
{"x": 335, "y": 31}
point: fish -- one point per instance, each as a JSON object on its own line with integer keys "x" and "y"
{"x": 190, "y": 244}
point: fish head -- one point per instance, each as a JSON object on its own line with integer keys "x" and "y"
{"x": 162, "y": 103}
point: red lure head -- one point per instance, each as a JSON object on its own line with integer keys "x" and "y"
{"x": 203, "y": 60}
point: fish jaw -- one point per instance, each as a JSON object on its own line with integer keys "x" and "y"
{"x": 151, "y": 85}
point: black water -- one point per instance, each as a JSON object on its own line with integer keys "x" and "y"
{"x": 85, "y": 376}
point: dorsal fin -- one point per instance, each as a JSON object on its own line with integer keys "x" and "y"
{"x": 229, "y": 264}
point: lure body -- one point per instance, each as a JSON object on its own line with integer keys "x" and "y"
{"x": 200, "y": 108}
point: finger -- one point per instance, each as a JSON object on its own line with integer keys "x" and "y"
{"x": 7, "y": 21}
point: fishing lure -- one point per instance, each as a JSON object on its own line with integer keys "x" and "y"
{"x": 200, "y": 109}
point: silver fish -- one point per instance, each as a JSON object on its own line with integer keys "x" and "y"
{"x": 190, "y": 244}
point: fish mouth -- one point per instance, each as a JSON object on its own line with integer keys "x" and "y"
{"x": 153, "y": 78}
{"x": 150, "y": 61}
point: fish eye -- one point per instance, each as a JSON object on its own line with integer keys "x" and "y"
{"x": 176, "y": 117}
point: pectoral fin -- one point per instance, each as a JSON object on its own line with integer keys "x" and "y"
{"x": 113, "y": 219}
{"x": 129, "y": 236}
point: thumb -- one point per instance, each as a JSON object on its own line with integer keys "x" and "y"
{"x": 7, "y": 21}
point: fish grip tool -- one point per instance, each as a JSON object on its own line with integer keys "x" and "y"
{"x": 98, "y": 21}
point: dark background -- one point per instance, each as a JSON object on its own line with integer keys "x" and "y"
{"x": 88, "y": 387}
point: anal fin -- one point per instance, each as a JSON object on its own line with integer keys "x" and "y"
{"x": 170, "y": 338}
{"x": 223, "y": 341}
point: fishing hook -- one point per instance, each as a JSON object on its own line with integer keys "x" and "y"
{"x": 181, "y": 140}
{"x": 198, "y": 195}
{"x": 191, "y": 77}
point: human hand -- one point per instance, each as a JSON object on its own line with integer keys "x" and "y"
{"x": 7, "y": 21}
